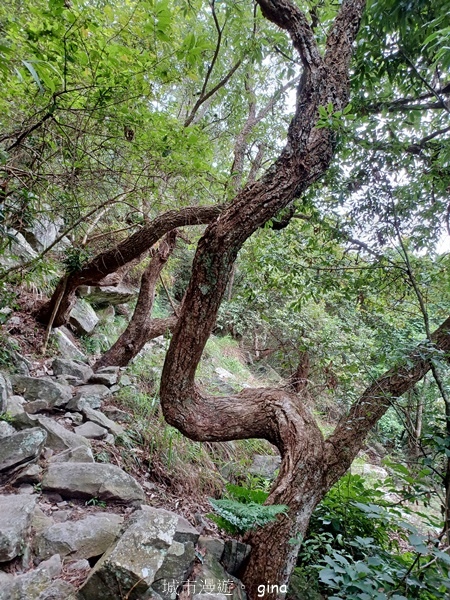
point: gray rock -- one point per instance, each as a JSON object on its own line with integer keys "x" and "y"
{"x": 95, "y": 480}
{"x": 15, "y": 408}
{"x": 107, "y": 295}
{"x": 98, "y": 417}
{"x": 25, "y": 488}
{"x": 27, "y": 585}
{"x": 66, "y": 344}
{"x": 31, "y": 474}
{"x": 91, "y": 430}
{"x": 5, "y": 391}
{"x": 83, "y": 318}
{"x": 16, "y": 512}
{"x": 212, "y": 579}
{"x": 85, "y": 538}
{"x": 265, "y": 465}
{"x": 88, "y": 395}
{"x": 125, "y": 381}
{"x": 6, "y": 430}
{"x": 108, "y": 378}
{"x": 185, "y": 532}
{"x": 41, "y": 388}
{"x": 75, "y": 417}
{"x": 21, "y": 447}
{"x": 61, "y": 516}
{"x": 177, "y": 566}
{"x": 52, "y": 565}
{"x": 58, "y": 590}
{"x": 19, "y": 251}
{"x": 4, "y": 579}
{"x": 43, "y": 231}
{"x": 80, "y": 454}
{"x": 234, "y": 555}
{"x": 21, "y": 364}
{"x": 78, "y": 565}
{"x": 117, "y": 414}
{"x": 37, "y": 406}
{"x": 213, "y": 546}
{"x": 37, "y": 585}
{"x": 78, "y": 370}
{"x": 130, "y": 566}
{"x": 58, "y": 437}
{"x": 40, "y": 521}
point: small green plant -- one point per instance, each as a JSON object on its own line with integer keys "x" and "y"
{"x": 37, "y": 487}
{"x": 244, "y": 510}
{"x": 75, "y": 258}
{"x": 102, "y": 456}
{"x": 95, "y": 502}
{"x": 7, "y": 417}
{"x": 7, "y": 349}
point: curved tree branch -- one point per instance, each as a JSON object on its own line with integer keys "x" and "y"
{"x": 127, "y": 251}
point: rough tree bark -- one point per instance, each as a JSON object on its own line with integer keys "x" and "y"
{"x": 310, "y": 465}
{"x": 126, "y": 252}
{"x": 275, "y": 415}
{"x": 142, "y": 327}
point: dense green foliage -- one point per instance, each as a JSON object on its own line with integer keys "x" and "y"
{"x": 243, "y": 510}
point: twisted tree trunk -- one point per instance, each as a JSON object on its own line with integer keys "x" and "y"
{"x": 275, "y": 415}
{"x": 131, "y": 249}
{"x": 142, "y": 328}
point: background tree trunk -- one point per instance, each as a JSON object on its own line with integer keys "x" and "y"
{"x": 142, "y": 327}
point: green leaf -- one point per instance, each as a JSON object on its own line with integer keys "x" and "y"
{"x": 33, "y": 73}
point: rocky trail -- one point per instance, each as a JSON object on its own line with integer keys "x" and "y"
{"x": 72, "y": 527}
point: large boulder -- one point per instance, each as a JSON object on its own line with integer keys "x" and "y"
{"x": 99, "y": 418}
{"x": 19, "y": 251}
{"x": 15, "y": 409}
{"x": 38, "y": 585}
{"x": 234, "y": 555}
{"x": 213, "y": 581}
{"x": 176, "y": 567}
{"x": 130, "y": 566}
{"x": 58, "y": 437}
{"x": 91, "y": 431}
{"x": 83, "y": 318}
{"x": 43, "y": 232}
{"x": 107, "y": 295}
{"x": 79, "y": 454}
{"x": 265, "y": 465}
{"x": 66, "y": 344}
{"x": 16, "y": 512}
{"x": 85, "y": 538}
{"x": 72, "y": 368}
{"x": 88, "y": 396}
{"x": 185, "y": 532}
{"x": 92, "y": 480}
{"x": 107, "y": 376}
{"x": 42, "y": 388}
{"x": 21, "y": 447}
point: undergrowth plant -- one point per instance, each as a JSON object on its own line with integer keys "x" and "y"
{"x": 244, "y": 510}
{"x": 361, "y": 547}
